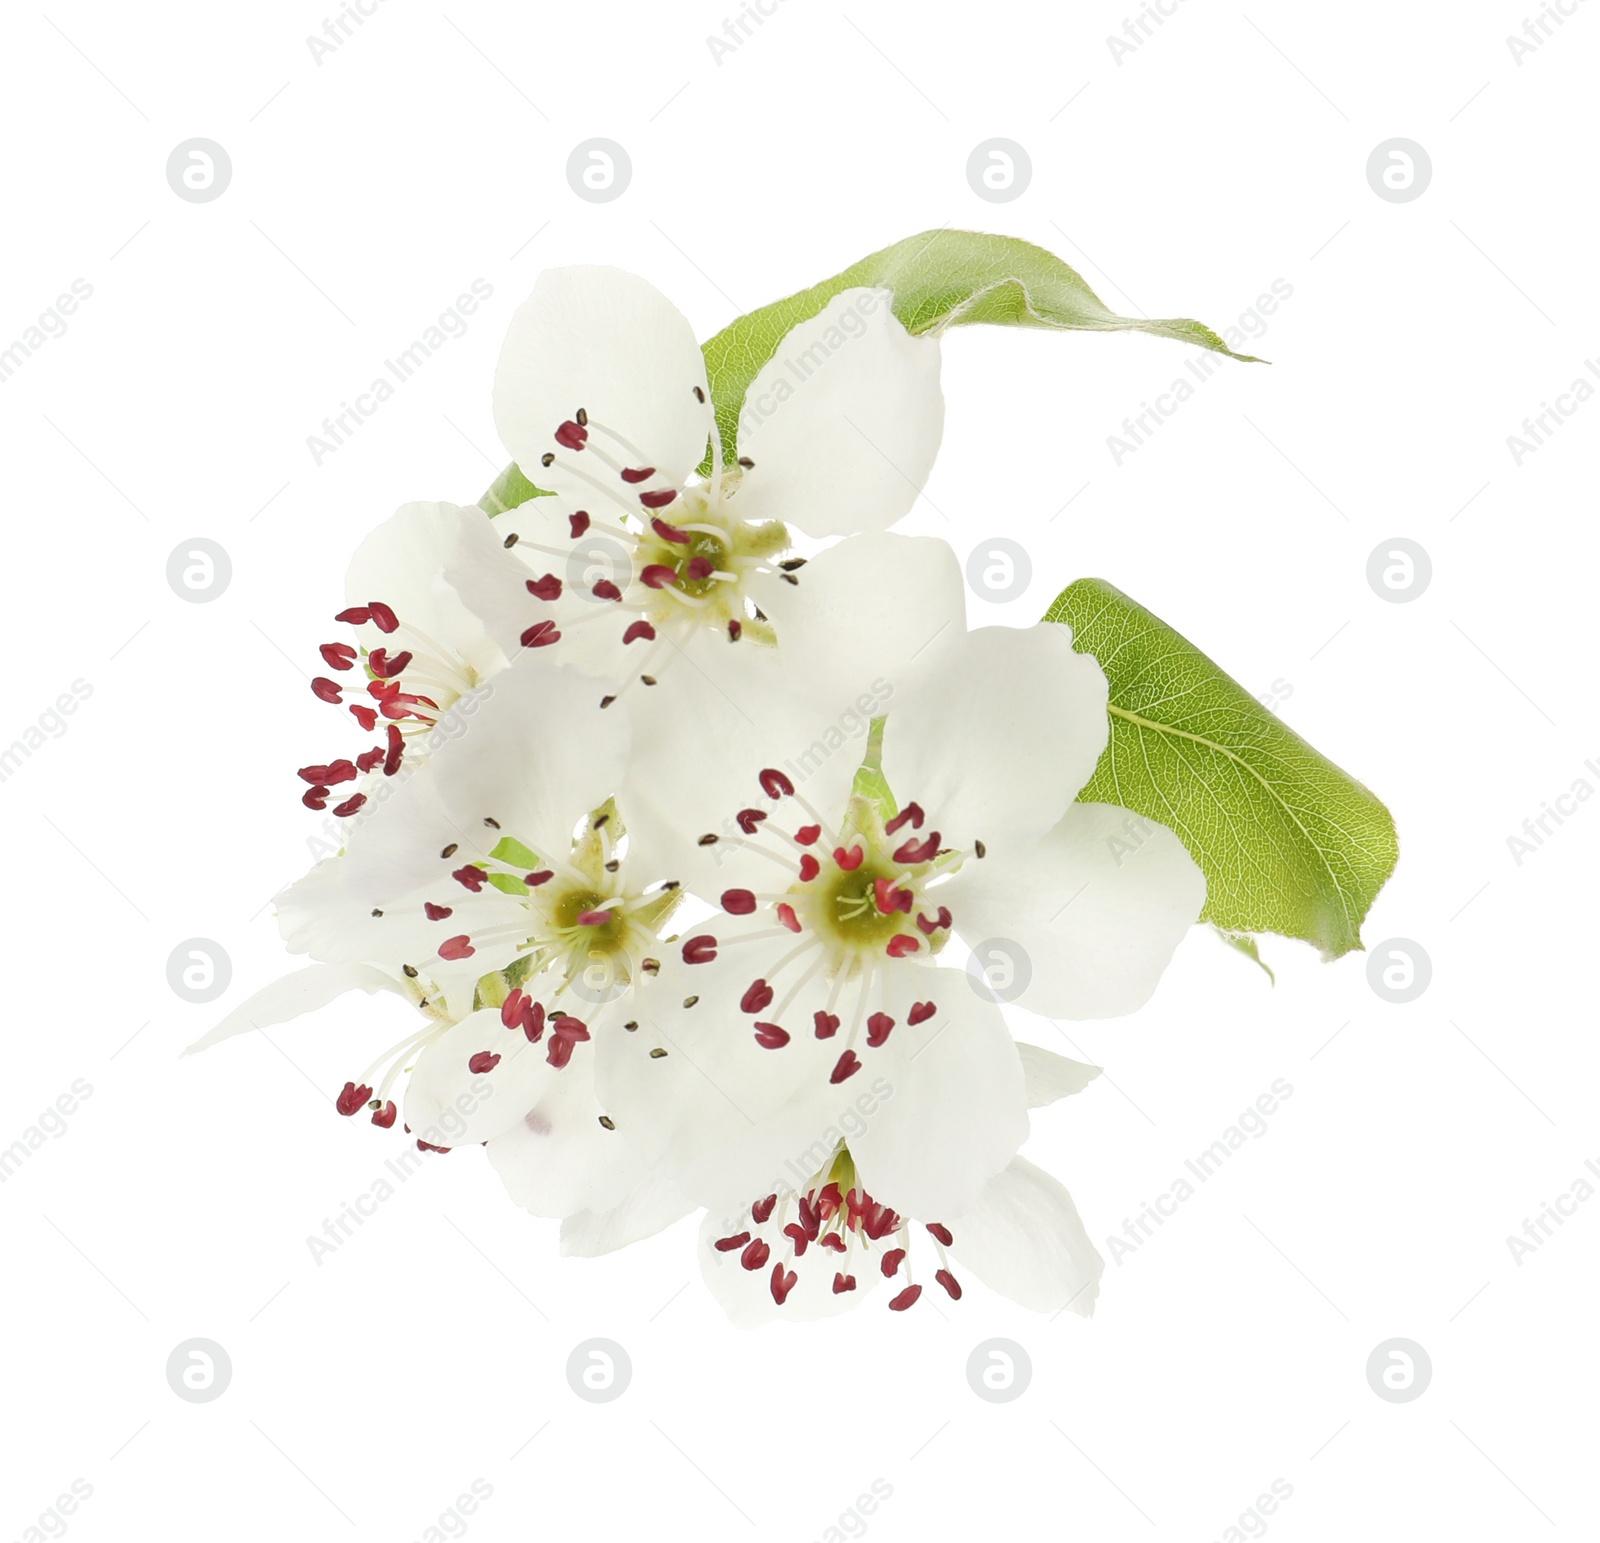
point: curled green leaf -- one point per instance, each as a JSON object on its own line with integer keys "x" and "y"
{"x": 1288, "y": 842}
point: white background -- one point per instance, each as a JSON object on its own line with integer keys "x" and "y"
{"x": 1225, "y": 152}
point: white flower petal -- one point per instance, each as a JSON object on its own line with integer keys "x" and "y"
{"x": 650, "y": 1209}
{"x": 1098, "y": 904}
{"x": 1023, "y": 1239}
{"x": 957, "y": 1110}
{"x": 557, "y": 1159}
{"x": 447, "y": 1104}
{"x": 866, "y": 617}
{"x": 292, "y": 996}
{"x": 402, "y": 563}
{"x": 1049, "y": 1077}
{"x": 1009, "y": 731}
{"x": 606, "y": 342}
{"x": 843, "y": 422}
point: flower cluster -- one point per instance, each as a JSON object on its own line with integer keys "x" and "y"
{"x": 683, "y": 794}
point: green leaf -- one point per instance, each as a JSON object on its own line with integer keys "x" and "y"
{"x": 870, "y": 782}
{"x": 510, "y": 851}
{"x": 508, "y": 490}
{"x": 940, "y": 279}
{"x": 507, "y": 883}
{"x": 1250, "y": 947}
{"x": 1288, "y": 842}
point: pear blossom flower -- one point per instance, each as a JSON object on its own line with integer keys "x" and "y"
{"x": 417, "y": 651}
{"x": 649, "y": 547}
{"x": 834, "y": 965}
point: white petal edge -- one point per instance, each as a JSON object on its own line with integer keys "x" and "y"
{"x": 1024, "y": 1239}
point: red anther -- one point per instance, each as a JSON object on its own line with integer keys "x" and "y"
{"x": 738, "y": 902}
{"x": 534, "y": 880}
{"x": 338, "y": 771}
{"x": 807, "y": 834}
{"x": 700, "y": 950}
{"x": 782, "y": 1283}
{"x": 367, "y": 717}
{"x": 827, "y": 1024}
{"x": 669, "y": 532}
{"x": 570, "y": 436}
{"x": 892, "y": 1262}
{"x": 577, "y": 523}
{"x": 594, "y": 918}
{"x": 900, "y": 1303}
{"x": 850, "y": 860}
{"x": 637, "y": 630}
{"x": 604, "y": 589}
{"x": 941, "y": 1232}
{"x": 471, "y": 877}
{"x": 457, "y": 948}
{"x": 352, "y": 1098}
{"x": 383, "y": 690}
{"x": 699, "y": 569}
{"x": 771, "y": 1037}
{"x": 829, "y": 1195}
{"x": 932, "y": 925}
{"x": 561, "y": 1047}
{"x": 735, "y": 631}
{"x": 848, "y": 1065}
{"x": 428, "y": 1146}
{"x": 842, "y": 1283}
{"x": 878, "y": 1026}
{"x": 483, "y": 1061}
{"x": 383, "y": 617}
{"x": 810, "y": 1223}
{"x": 809, "y": 868}
{"x": 391, "y": 758}
{"x": 923, "y": 851}
{"x": 921, "y": 1012}
{"x": 658, "y": 500}
{"x": 338, "y": 656}
{"x": 787, "y": 917}
{"x": 316, "y": 774}
{"x": 748, "y": 819}
{"x": 533, "y": 1023}
{"x": 568, "y": 1027}
{"x": 797, "y": 1235}
{"x": 888, "y": 898}
{"x": 633, "y": 474}
{"x": 437, "y": 913}
{"x": 836, "y": 1243}
{"x": 901, "y": 944}
{"x": 757, "y": 997}
{"x": 315, "y": 798}
{"x": 950, "y": 1284}
{"x": 547, "y": 588}
{"x": 384, "y": 1117}
{"x": 658, "y": 576}
{"x": 541, "y": 635}
{"x": 354, "y": 616}
{"x": 386, "y": 668}
{"x": 762, "y": 1209}
{"x": 369, "y": 758}
{"x": 727, "y": 1245}
{"x": 775, "y": 784}
{"x": 912, "y": 812}
{"x": 756, "y": 1253}
{"x": 326, "y": 690}
{"x": 349, "y": 806}
{"x": 515, "y": 1008}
